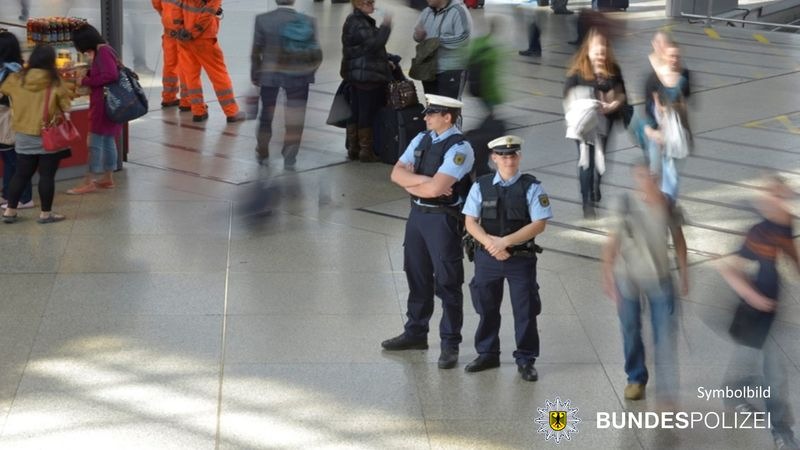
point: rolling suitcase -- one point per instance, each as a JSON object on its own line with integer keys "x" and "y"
{"x": 394, "y": 129}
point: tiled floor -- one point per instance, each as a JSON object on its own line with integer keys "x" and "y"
{"x": 210, "y": 303}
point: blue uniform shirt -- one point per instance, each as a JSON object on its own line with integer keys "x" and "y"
{"x": 472, "y": 207}
{"x": 458, "y": 159}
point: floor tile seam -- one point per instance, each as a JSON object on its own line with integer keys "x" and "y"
{"x": 223, "y": 333}
{"x": 697, "y": 155}
{"x": 185, "y": 173}
{"x": 322, "y": 221}
{"x": 746, "y": 146}
{"x": 680, "y": 196}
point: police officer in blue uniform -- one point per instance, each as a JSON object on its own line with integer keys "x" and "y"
{"x": 504, "y": 212}
{"x": 434, "y": 170}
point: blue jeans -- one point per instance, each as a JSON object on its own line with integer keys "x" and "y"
{"x": 102, "y": 153}
{"x": 9, "y": 166}
{"x": 669, "y": 177}
{"x": 661, "y": 299}
{"x": 774, "y": 375}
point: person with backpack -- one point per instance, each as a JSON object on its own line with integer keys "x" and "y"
{"x": 10, "y": 62}
{"x": 434, "y": 170}
{"x": 285, "y": 55}
{"x": 504, "y": 213}
{"x": 636, "y": 266}
{"x": 366, "y": 68}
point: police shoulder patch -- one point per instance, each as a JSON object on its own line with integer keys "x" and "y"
{"x": 544, "y": 200}
{"x": 459, "y": 158}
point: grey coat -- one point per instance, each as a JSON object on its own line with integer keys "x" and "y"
{"x": 264, "y": 68}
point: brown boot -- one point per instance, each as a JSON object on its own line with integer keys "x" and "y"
{"x": 352, "y": 142}
{"x": 365, "y": 143}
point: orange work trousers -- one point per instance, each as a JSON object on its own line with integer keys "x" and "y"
{"x": 206, "y": 54}
{"x": 172, "y": 79}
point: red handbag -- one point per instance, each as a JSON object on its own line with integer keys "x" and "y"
{"x": 59, "y": 133}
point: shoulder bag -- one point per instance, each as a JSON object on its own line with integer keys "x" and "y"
{"x": 58, "y": 133}
{"x": 125, "y": 100}
{"x": 424, "y": 65}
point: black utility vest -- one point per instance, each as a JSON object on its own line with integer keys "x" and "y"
{"x": 428, "y": 157}
{"x": 504, "y": 210}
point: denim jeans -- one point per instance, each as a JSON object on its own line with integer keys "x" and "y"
{"x": 746, "y": 369}
{"x": 9, "y": 166}
{"x": 661, "y": 299}
{"x": 669, "y": 177}
{"x": 102, "y": 153}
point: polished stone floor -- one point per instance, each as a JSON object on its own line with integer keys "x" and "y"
{"x": 210, "y": 303}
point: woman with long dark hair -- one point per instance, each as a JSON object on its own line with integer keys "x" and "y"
{"x": 594, "y": 66}
{"x": 365, "y": 66}
{"x": 102, "y": 131}
{"x": 30, "y": 89}
{"x": 10, "y": 62}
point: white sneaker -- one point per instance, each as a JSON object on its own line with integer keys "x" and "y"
{"x": 27, "y": 205}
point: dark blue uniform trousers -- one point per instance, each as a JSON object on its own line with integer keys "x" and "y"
{"x": 487, "y": 294}
{"x": 433, "y": 262}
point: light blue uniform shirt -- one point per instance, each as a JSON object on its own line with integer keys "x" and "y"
{"x": 536, "y": 194}
{"x": 458, "y": 159}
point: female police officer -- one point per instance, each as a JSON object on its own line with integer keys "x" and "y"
{"x": 434, "y": 169}
{"x": 504, "y": 213}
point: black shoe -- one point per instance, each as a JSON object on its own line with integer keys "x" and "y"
{"x": 530, "y": 53}
{"x": 483, "y": 362}
{"x": 448, "y": 359}
{"x": 200, "y": 118}
{"x": 528, "y": 372}
{"x": 184, "y": 108}
{"x": 575, "y": 42}
{"x": 238, "y": 117}
{"x": 404, "y": 342}
{"x": 563, "y": 11}
{"x": 171, "y": 104}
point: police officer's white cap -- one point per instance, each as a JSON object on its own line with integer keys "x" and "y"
{"x": 506, "y": 144}
{"x": 439, "y": 103}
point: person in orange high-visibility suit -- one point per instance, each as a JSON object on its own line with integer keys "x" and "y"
{"x": 200, "y": 50}
{"x": 172, "y": 80}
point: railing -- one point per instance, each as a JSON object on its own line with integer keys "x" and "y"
{"x": 708, "y": 18}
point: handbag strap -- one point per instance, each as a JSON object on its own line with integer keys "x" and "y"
{"x": 46, "y": 112}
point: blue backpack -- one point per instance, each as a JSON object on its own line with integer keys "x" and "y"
{"x": 299, "y": 50}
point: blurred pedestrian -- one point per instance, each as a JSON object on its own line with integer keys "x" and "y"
{"x": 758, "y": 360}
{"x": 636, "y": 267}
{"x": 595, "y": 70}
{"x": 275, "y": 67}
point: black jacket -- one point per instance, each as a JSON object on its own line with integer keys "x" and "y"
{"x": 364, "y": 57}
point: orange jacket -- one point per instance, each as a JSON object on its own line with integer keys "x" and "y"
{"x": 200, "y": 17}
{"x": 171, "y": 12}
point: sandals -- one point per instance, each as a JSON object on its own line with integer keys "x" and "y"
{"x": 105, "y": 184}
{"x": 52, "y": 218}
{"x": 82, "y": 189}
{"x": 9, "y": 219}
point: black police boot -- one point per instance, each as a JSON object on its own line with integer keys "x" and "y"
{"x": 483, "y": 362}
{"x": 528, "y": 372}
{"x": 404, "y": 342}
{"x": 448, "y": 359}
